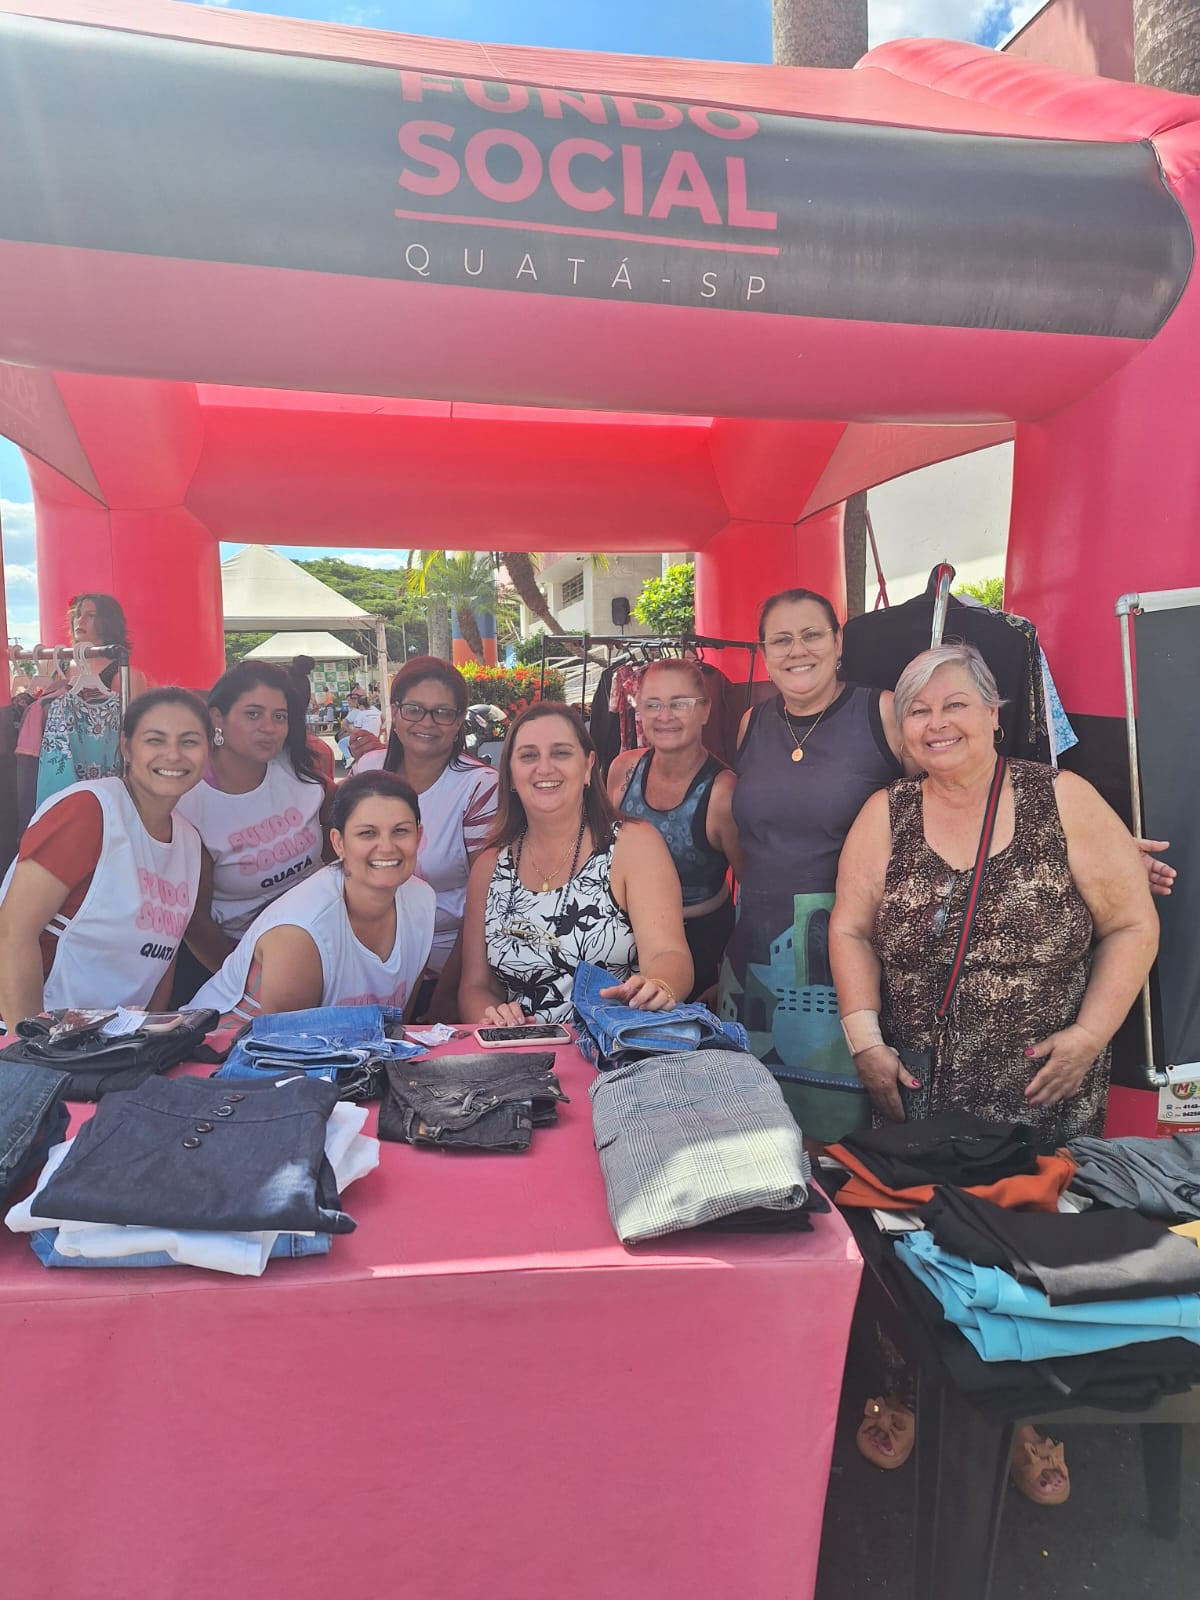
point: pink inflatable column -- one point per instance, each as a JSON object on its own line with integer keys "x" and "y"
{"x": 141, "y": 544}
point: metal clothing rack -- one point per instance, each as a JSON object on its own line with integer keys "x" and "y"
{"x": 944, "y": 575}
{"x": 630, "y": 643}
{"x": 61, "y": 654}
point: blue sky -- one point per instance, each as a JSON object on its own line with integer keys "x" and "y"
{"x": 731, "y": 30}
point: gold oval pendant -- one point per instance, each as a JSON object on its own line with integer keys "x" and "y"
{"x": 797, "y": 754}
{"x": 546, "y": 886}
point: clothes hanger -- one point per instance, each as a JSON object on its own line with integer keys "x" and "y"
{"x": 86, "y": 680}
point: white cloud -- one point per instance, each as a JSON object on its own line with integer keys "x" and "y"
{"x": 948, "y": 19}
{"x": 16, "y": 525}
{"x": 19, "y": 579}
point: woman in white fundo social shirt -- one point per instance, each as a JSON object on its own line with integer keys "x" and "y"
{"x": 94, "y": 908}
{"x": 260, "y": 811}
{"x": 357, "y": 933}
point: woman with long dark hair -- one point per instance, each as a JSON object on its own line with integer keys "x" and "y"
{"x": 259, "y": 810}
{"x": 426, "y": 746}
{"x": 95, "y": 618}
{"x": 566, "y": 879}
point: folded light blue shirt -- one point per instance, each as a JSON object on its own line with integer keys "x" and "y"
{"x": 1006, "y": 1321}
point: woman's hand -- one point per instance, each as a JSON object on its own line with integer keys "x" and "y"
{"x": 882, "y": 1072}
{"x": 505, "y": 1014}
{"x": 360, "y": 741}
{"x": 1068, "y": 1054}
{"x": 641, "y": 992}
{"x": 1161, "y": 876}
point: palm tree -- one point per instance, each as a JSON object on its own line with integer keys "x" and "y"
{"x": 1166, "y": 44}
{"x": 465, "y": 582}
{"x": 522, "y": 574}
{"x": 829, "y": 33}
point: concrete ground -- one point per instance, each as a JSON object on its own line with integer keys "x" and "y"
{"x": 1096, "y": 1546}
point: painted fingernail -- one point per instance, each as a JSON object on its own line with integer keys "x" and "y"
{"x": 1029, "y": 1052}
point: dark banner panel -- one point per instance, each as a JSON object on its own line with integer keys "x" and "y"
{"x": 1168, "y": 671}
{"x": 121, "y": 142}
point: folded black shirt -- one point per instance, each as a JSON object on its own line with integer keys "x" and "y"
{"x": 1072, "y": 1257}
{"x": 949, "y": 1147}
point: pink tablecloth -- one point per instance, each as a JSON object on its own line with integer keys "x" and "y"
{"x": 479, "y": 1394}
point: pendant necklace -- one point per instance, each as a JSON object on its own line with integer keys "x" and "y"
{"x": 798, "y": 752}
{"x": 571, "y": 857}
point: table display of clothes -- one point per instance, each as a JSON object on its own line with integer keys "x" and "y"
{"x": 489, "y": 1102}
{"x": 695, "y": 1138}
{"x": 877, "y": 646}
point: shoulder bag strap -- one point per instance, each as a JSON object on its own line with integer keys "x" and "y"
{"x": 981, "y": 855}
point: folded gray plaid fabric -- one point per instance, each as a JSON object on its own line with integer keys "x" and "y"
{"x": 688, "y": 1139}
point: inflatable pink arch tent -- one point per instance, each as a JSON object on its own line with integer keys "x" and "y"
{"x": 279, "y": 281}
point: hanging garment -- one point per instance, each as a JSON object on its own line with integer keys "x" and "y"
{"x": 351, "y": 975}
{"x": 793, "y": 818}
{"x": 1025, "y": 971}
{"x": 116, "y": 947}
{"x": 80, "y": 741}
{"x": 261, "y": 843}
{"x": 878, "y": 646}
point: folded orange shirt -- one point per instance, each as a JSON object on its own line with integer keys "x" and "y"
{"x": 1028, "y": 1191}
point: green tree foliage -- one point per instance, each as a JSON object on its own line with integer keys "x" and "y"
{"x": 668, "y": 604}
{"x": 465, "y": 582}
{"x": 381, "y": 591}
{"x": 239, "y": 644}
{"x": 989, "y": 590}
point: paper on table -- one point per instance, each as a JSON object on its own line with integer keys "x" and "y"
{"x": 125, "y": 1021}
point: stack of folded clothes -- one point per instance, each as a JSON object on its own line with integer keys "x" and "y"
{"x": 348, "y": 1045}
{"x": 1158, "y": 1177}
{"x": 701, "y": 1137}
{"x": 900, "y": 1166}
{"x": 611, "y": 1034}
{"x": 483, "y": 1101}
{"x": 193, "y": 1172}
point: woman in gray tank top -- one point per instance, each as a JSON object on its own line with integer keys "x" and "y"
{"x": 686, "y": 794}
{"x": 807, "y": 760}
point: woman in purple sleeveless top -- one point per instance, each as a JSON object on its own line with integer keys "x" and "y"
{"x": 807, "y": 760}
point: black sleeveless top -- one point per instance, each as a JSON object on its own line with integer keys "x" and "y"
{"x": 701, "y": 869}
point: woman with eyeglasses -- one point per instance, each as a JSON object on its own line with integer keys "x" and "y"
{"x": 426, "y": 746}
{"x": 687, "y": 794}
{"x": 807, "y": 760}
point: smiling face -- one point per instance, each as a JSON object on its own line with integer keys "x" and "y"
{"x": 948, "y": 725}
{"x": 801, "y": 652}
{"x": 379, "y": 844}
{"x": 549, "y": 768}
{"x": 167, "y": 752}
{"x": 256, "y": 724}
{"x": 427, "y": 738}
{"x": 668, "y": 723}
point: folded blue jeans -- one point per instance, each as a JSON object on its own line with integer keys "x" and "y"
{"x": 321, "y": 1042}
{"x": 32, "y": 1118}
{"x": 612, "y": 1032}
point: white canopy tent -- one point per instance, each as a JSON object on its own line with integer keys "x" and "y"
{"x": 262, "y": 589}
{"x": 320, "y": 646}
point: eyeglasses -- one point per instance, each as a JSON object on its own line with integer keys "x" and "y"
{"x": 941, "y": 911}
{"x": 780, "y": 643}
{"x": 680, "y": 704}
{"x": 414, "y": 711}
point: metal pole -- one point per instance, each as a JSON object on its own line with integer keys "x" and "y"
{"x": 941, "y": 603}
{"x": 1126, "y": 606}
{"x": 381, "y": 668}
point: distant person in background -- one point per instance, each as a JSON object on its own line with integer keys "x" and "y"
{"x": 361, "y": 715}
{"x": 98, "y": 619}
{"x": 301, "y": 671}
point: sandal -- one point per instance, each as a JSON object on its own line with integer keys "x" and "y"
{"x": 1031, "y": 1459}
{"x": 883, "y": 1416}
